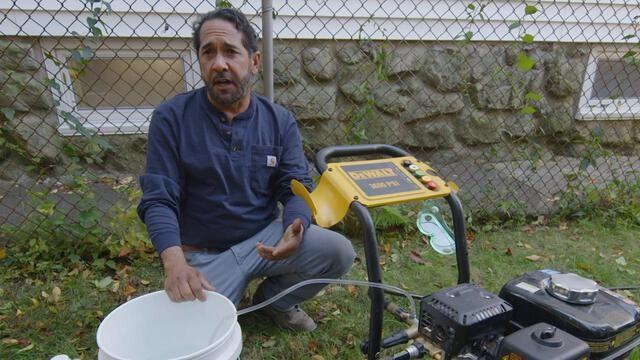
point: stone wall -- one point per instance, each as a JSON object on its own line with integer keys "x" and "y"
{"x": 437, "y": 96}
{"x": 24, "y": 89}
{"x": 459, "y": 106}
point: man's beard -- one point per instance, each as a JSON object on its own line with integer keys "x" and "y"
{"x": 228, "y": 98}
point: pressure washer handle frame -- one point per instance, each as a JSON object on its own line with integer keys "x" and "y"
{"x": 355, "y": 150}
{"x": 370, "y": 241}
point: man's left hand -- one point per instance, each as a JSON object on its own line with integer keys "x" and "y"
{"x": 289, "y": 243}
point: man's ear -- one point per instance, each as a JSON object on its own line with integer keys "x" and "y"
{"x": 256, "y": 62}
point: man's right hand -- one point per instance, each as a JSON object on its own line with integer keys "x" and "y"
{"x": 182, "y": 282}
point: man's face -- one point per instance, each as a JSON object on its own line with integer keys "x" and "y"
{"x": 226, "y": 66}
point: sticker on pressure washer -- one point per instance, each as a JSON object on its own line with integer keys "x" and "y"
{"x": 383, "y": 178}
{"x": 528, "y": 287}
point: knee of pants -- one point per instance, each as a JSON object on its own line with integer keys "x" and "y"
{"x": 341, "y": 255}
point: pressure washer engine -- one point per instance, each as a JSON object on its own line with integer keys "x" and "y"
{"x": 540, "y": 315}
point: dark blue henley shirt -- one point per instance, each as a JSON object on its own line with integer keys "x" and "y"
{"x": 213, "y": 184}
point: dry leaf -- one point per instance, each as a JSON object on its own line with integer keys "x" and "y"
{"x": 533, "y": 257}
{"x": 124, "y": 251}
{"x": 313, "y": 345}
{"x": 3, "y": 253}
{"x": 26, "y": 348}
{"x": 415, "y": 256}
{"x": 470, "y": 236}
{"x": 55, "y": 294}
{"x": 103, "y": 283}
{"x": 528, "y": 247}
{"x": 73, "y": 272}
{"x": 128, "y": 290}
{"x": 115, "y": 286}
{"x": 145, "y": 282}
{"x": 509, "y": 251}
{"x": 386, "y": 248}
{"x": 24, "y": 342}
{"x": 621, "y": 261}
{"x": 352, "y": 290}
{"x": 269, "y": 343}
{"x": 334, "y": 351}
{"x": 10, "y": 342}
{"x": 542, "y": 220}
{"x": 563, "y": 225}
{"x": 317, "y": 357}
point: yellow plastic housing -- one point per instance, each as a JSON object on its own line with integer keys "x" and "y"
{"x": 370, "y": 182}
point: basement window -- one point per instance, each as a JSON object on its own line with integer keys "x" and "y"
{"x": 611, "y": 89}
{"x": 116, "y": 91}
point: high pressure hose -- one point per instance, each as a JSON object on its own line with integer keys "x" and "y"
{"x": 330, "y": 281}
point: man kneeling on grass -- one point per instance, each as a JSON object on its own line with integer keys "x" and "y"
{"x": 219, "y": 160}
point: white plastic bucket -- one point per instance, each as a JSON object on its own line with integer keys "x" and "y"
{"x": 153, "y": 327}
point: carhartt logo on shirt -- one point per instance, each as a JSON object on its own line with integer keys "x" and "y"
{"x": 271, "y": 161}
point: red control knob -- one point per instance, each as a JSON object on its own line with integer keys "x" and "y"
{"x": 432, "y": 185}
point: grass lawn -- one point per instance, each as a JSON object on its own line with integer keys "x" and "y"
{"x": 59, "y": 312}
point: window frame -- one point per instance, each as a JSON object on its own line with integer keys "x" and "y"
{"x": 605, "y": 109}
{"x": 116, "y": 120}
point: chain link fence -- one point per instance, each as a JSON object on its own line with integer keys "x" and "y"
{"x": 532, "y": 108}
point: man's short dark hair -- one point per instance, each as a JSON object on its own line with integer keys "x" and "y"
{"x": 235, "y": 17}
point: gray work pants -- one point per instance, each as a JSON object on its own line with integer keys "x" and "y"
{"x": 322, "y": 254}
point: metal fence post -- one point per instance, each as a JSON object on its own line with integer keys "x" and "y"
{"x": 267, "y": 48}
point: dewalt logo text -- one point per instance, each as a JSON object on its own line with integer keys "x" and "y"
{"x": 372, "y": 174}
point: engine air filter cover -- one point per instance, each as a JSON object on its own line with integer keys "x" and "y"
{"x": 573, "y": 288}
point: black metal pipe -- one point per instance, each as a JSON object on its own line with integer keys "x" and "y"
{"x": 355, "y": 150}
{"x": 460, "y": 237}
{"x": 374, "y": 275}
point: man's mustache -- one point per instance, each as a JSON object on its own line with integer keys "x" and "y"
{"x": 222, "y": 76}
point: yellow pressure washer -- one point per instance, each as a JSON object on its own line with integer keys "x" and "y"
{"x": 540, "y": 315}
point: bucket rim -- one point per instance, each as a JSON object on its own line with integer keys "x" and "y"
{"x": 213, "y": 345}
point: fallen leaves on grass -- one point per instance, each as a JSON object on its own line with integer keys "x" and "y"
{"x": 128, "y": 290}
{"x": 103, "y": 283}
{"x": 533, "y": 257}
{"x": 470, "y": 236}
{"x": 56, "y": 293}
{"x": 621, "y": 261}
{"x": 541, "y": 221}
{"x": 10, "y": 342}
{"x": 508, "y": 251}
{"x": 352, "y": 290}
{"x": 269, "y": 343}
{"x": 124, "y": 251}
{"x": 416, "y": 257}
{"x": 26, "y": 348}
{"x": 313, "y": 345}
{"x": 3, "y": 253}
